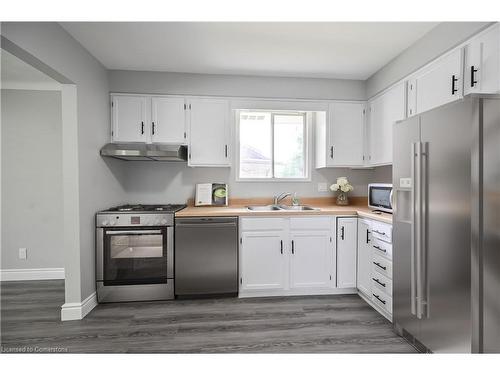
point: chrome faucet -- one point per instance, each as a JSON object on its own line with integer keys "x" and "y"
{"x": 278, "y": 198}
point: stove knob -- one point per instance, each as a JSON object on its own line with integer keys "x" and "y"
{"x": 104, "y": 222}
{"x": 163, "y": 221}
{"x": 112, "y": 222}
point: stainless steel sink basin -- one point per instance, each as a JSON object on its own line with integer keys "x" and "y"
{"x": 297, "y": 208}
{"x": 281, "y": 207}
{"x": 269, "y": 207}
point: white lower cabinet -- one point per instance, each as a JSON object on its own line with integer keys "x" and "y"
{"x": 311, "y": 259}
{"x": 347, "y": 229}
{"x": 288, "y": 256}
{"x": 374, "y": 280}
{"x": 364, "y": 257}
{"x": 263, "y": 261}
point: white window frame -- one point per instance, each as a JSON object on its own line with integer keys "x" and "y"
{"x": 307, "y": 146}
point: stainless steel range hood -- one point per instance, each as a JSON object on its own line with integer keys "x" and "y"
{"x": 147, "y": 152}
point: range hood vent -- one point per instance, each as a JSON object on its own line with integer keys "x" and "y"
{"x": 146, "y": 152}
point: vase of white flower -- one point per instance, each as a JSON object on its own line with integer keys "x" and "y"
{"x": 342, "y": 187}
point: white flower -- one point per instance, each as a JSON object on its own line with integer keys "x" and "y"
{"x": 342, "y": 181}
{"x": 334, "y": 187}
{"x": 346, "y": 188}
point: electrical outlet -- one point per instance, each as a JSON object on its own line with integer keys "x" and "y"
{"x": 23, "y": 253}
{"x": 322, "y": 187}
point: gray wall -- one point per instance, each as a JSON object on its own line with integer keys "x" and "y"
{"x": 440, "y": 39}
{"x": 234, "y": 85}
{"x": 32, "y": 179}
{"x": 149, "y": 182}
{"x": 99, "y": 180}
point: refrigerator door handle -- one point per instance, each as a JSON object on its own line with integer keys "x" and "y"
{"x": 418, "y": 234}
{"x": 424, "y": 297}
{"x": 413, "y": 294}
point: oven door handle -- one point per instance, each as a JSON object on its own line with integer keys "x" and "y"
{"x": 134, "y": 232}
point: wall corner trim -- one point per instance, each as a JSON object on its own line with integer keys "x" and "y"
{"x": 20, "y": 274}
{"x": 78, "y": 310}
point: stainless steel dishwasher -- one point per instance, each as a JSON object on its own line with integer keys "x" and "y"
{"x": 206, "y": 256}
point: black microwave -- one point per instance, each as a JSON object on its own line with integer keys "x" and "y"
{"x": 380, "y": 197}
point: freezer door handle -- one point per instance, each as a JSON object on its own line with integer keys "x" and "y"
{"x": 418, "y": 230}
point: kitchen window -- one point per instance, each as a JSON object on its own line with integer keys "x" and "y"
{"x": 273, "y": 146}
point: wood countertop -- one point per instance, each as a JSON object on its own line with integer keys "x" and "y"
{"x": 324, "y": 206}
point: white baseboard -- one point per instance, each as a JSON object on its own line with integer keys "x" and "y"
{"x": 78, "y": 310}
{"x": 296, "y": 292}
{"x": 32, "y": 274}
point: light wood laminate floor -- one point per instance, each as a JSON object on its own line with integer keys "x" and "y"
{"x": 313, "y": 324}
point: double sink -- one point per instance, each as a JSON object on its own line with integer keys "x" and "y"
{"x": 281, "y": 207}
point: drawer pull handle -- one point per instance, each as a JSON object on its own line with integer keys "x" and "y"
{"x": 378, "y": 297}
{"x": 381, "y": 233}
{"x": 379, "y": 248}
{"x": 378, "y": 282}
{"x": 379, "y": 265}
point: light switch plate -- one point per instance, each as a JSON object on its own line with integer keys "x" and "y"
{"x": 405, "y": 182}
{"x": 322, "y": 187}
{"x": 23, "y": 253}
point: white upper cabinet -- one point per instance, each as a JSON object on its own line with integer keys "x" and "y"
{"x": 310, "y": 259}
{"x": 482, "y": 63}
{"x": 209, "y": 132}
{"x": 347, "y": 124}
{"x": 439, "y": 83}
{"x": 384, "y": 110}
{"x": 129, "y": 118}
{"x": 340, "y": 135}
{"x": 168, "y": 120}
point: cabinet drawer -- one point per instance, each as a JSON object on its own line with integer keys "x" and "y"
{"x": 382, "y": 283}
{"x": 382, "y": 300}
{"x": 381, "y": 248}
{"x": 382, "y": 265}
{"x": 314, "y": 223}
{"x": 382, "y": 231}
{"x": 262, "y": 223}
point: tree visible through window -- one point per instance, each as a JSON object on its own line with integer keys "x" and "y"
{"x": 272, "y": 145}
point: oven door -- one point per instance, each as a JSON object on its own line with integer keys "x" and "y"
{"x": 132, "y": 256}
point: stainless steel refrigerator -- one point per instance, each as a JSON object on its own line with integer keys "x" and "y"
{"x": 446, "y": 179}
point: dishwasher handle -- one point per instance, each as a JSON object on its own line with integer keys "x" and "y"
{"x": 207, "y": 222}
{"x": 204, "y": 225}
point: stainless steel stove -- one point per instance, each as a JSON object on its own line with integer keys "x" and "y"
{"x": 135, "y": 252}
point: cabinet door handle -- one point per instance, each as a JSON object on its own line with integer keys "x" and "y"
{"x": 331, "y": 152}
{"x": 225, "y": 150}
{"x": 153, "y": 127}
{"x": 378, "y": 297}
{"x": 342, "y": 233}
{"x": 367, "y": 236}
{"x": 472, "y": 76}
{"x": 293, "y": 248}
{"x": 378, "y": 282}
{"x": 281, "y": 243}
{"x": 142, "y": 127}
{"x": 453, "y": 81}
{"x": 379, "y": 265}
{"x": 379, "y": 248}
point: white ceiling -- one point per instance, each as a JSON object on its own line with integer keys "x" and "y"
{"x": 17, "y": 74}
{"x": 351, "y": 50}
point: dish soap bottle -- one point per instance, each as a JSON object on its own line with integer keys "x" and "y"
{"x": 295, "y": 199}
